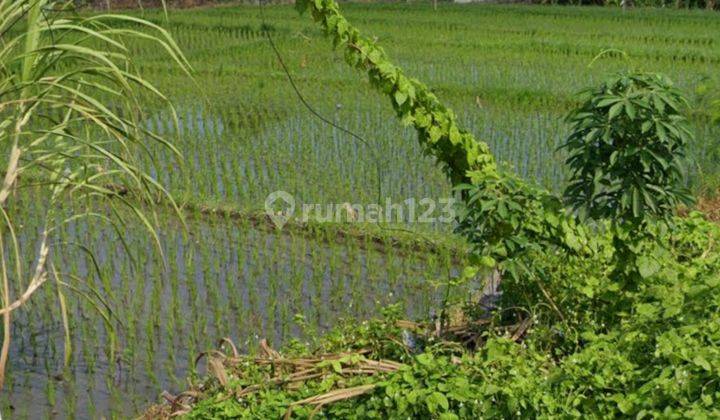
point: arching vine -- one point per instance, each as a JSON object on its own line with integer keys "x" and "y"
{"x": 505, "y": 216}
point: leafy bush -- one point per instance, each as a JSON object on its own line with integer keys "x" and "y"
{"x": 595, "y": 350}
{"x": 626, "y": 148}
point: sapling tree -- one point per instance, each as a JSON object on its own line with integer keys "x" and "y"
{"x": 626, "y": 153}
{"x": 626, "y": 150}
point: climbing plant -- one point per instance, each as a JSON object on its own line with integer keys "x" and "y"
{"x": 503, "y": 214}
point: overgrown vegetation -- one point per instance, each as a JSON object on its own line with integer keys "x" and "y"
{"x": 618, "y": 317}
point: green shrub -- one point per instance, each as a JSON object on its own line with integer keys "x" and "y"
{"x": 626, "y": 148}
{"x": 583, "y": 357}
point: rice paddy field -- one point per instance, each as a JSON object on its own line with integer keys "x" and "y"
{"x": 510, "y": 72}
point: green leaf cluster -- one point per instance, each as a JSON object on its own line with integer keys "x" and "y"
{"x": 626, "y": 149}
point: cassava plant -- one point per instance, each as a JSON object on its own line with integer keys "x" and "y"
{"x": 626, "y": 150}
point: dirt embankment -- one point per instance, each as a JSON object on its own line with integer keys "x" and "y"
{"x": 711, "y": 207}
